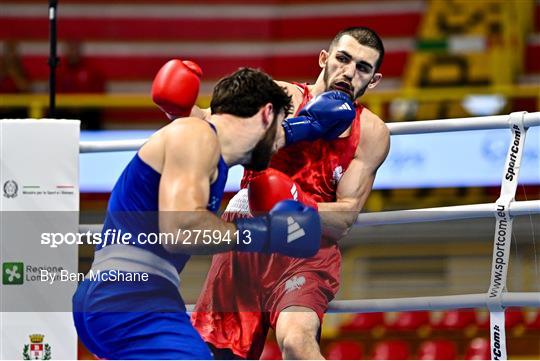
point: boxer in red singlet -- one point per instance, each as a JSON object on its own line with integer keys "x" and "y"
{"x": 246, "y": 294}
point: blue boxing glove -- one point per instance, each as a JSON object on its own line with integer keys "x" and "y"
{"x": 290, "y": 228}
{"x": 326, "y": 116}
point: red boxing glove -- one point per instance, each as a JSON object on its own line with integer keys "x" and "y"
{"x": 176, "y": 86}
{"x": 272, "y": 186}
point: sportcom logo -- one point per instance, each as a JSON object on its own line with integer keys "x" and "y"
{"x": 12, "y": 273}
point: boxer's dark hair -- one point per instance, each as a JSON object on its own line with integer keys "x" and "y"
{"x": 364, "y": 36}
{"x": 245, "y": 91}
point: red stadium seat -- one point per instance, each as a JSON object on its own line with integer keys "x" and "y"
{"x": 345, "y": 350}
{"x": 478, "y": 349}
{"x": 534, "y": 322}
{"x": 456, "y": 319}
{"x": 271, "y": 351}
{"x": 391, "y": 350}
{"x": 409, "y": 321}
{"x": 364, "y": 322}
{"x": 437, "y": 350}
{"x": 512, "y": 316}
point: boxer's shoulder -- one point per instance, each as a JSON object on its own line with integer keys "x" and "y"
{"x": 293, "y": 90}
{"x": 372, "y": 124}
{"x": 374, "y": 135}
{"x": 180, "y": 137}
{"x": 192, "y": 128}
{"x": 192, "y": 134}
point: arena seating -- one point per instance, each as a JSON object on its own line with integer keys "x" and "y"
{"x": 437, "y": 350}
{"x": 533, "y": 324}
{"x": 513, "y": 318}
{"x": 456, "y": 319}
{"x": 409, "y": 321}
{"x": 345, "y": 350}
{"x": 132, "y": 41}
{"x": 478, "y": 349}
{"x": 451, "y": 334}
{"x": 532, "y": 65}
{"x": 391, "y": 350}
{"x": 363, "y": 322}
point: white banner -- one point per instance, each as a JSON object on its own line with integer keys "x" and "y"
{"x": 39, "y": 186}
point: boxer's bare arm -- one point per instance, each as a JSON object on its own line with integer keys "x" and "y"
{"x": 191, "y": 156}
{"x": 356, "y": 183}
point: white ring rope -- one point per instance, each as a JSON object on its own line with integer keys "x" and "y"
{"x": 101, "y": 146}
{"x": 432, "y": 303}
{"x": 482, "y": 210}
{"x": 423, "y": 126}
{"x": 460, "y": 124}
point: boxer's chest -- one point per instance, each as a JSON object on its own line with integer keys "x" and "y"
{"x": 317, "y": 166}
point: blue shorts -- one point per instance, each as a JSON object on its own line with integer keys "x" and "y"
{"x": 136, "y": 320}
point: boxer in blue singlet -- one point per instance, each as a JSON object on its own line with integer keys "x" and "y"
{"x": 133, "y": 309}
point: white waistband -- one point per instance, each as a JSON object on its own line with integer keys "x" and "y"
{"x": 134, "y": 259}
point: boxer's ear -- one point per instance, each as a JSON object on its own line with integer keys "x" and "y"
{"x": 323, "y": 58}
{"x": 267, "y": 115}
{"x": 375, "y": 80}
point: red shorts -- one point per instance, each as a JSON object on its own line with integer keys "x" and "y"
{"x": 245, "y": 292}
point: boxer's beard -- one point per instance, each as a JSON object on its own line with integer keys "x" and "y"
{"x": 263, "y": 151}
{"x": 328, "y": 87}
{"x": 361, "y": 91}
